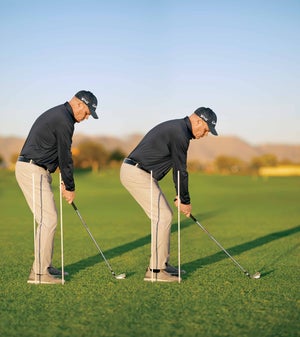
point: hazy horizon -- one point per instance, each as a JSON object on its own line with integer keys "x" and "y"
{"x": 127, "y": 136}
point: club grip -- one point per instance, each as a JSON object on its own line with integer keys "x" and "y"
{"x": 74, "y": 206}
{"x": 193, "y": 218}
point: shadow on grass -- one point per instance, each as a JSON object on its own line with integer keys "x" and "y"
{"x": 127, "y": 247}
{"x": 242, "y": 248}
{"x": 190, "y": 266}
{"x": 266, "y": 268}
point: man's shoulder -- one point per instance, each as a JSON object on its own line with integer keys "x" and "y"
{"x": 57, "y": 108}
{"x": 172, "y": 123}
{"x": 52, "y": 111}
{"x": 57, "y": 115}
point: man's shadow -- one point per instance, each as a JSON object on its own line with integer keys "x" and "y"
{"x": 76, "y": 267}
{"x": 190, "y": 266}
{"x": 236, "y": 250}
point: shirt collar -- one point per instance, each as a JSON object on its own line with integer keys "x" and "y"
{"x": 189, "y": 127}
{"x": 70, "y": 111}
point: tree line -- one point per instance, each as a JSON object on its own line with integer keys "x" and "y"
{"x": 94, "y": 156}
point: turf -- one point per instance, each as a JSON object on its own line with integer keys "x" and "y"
{"x": 257, "y": 220}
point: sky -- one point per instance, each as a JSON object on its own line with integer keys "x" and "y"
{"x": 151, "y": 61}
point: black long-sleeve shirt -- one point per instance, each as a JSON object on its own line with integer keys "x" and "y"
{"x": 165, "y": 147}
{"x": 49, "y": 142}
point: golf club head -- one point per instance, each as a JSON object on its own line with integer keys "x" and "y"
{"x": 121, "y": 276}
{"x": 256, "y": 275}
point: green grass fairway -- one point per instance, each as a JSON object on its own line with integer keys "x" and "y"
{"x": 257, "y": 220}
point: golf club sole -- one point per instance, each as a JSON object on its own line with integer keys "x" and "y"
{"x": 118, "y": 277}
{"x": 254, "y": 276}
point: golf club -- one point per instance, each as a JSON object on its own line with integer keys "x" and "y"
{"x": 118, "y": 277}
{"x": 254, "y": 276}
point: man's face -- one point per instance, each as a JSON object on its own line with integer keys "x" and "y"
{"x": 200, "y": 128}
{"x": 81, "y": 112}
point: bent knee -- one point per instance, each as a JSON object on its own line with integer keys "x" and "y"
{"x": 165, "y": 217}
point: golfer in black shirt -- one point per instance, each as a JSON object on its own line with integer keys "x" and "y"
{"x": 48, "y": 147}
{"x": 163, "y": 148}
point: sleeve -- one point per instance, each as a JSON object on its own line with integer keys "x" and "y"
{"x": 179, "y": 157}
{"x": 65, "y": 161}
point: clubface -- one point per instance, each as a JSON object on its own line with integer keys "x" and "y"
{"x": 120, "y": 277}
{"x": 256, "y": 275}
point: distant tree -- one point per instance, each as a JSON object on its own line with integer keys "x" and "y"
{"x": 89, "y": 154}
{"x": 14, "y": 158}
{"x": 286, "y": 161}
{"x": 195, "y": 166}
{"x": 264, "y": 160}
{"x": 117, "y": 155}
{"x": 229, "y": 165}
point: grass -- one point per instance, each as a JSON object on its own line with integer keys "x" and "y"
{"x": 256, "y": 220}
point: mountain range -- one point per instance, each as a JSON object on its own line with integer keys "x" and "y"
{"x": 204, "y": 150}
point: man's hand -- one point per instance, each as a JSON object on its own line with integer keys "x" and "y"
{"x": 68, "y": 195}
{"x": 185, "y": 209}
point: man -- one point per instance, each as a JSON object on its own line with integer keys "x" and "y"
{"x": 48, "y": 147}
{"x": 164, "y": 147}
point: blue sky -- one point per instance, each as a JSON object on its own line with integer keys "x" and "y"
{"x": 150, "y": 61}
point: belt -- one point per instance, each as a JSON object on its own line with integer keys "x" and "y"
{"x": 134, "y": 163}
{"x": 31, "y": 161}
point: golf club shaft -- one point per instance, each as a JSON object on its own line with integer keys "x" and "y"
{"x": 91, "y": 236}
{"x": 218, "y": 244}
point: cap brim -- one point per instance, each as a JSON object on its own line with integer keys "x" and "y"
{"x": 213, "y": 130}
{"x": 93, "y": 113}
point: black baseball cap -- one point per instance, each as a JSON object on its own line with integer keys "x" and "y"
{"x": 90, "y": 100}
{"x": 209, "y": 117}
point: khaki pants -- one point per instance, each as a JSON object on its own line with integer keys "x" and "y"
{"x": 138, "y": 184}
{"x": 45, "y": 211}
